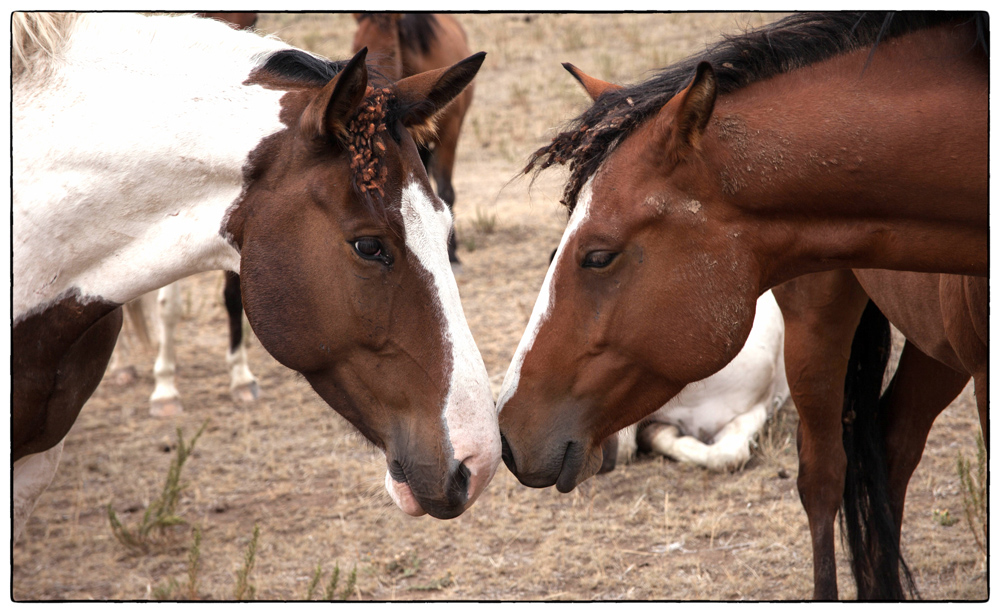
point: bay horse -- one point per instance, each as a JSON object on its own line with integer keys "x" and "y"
{"x": 820, "y": 142}
{"x": 149, "y": 148}
{"x": 404, "y": 44}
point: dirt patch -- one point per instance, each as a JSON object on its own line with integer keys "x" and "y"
{"x": 651, "y": 530}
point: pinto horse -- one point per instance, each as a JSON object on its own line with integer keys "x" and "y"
{"x": 152, "y": 148}
{"x": 404, "y": 44}
{"x": 820, "y": 142}
{"x": 165, "y": 400}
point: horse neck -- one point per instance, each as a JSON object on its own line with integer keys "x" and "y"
{"x": 129, "y": 152}
{"x": 832, "y": 169}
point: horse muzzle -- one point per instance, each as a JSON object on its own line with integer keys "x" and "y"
{"x": 568, "y": 464}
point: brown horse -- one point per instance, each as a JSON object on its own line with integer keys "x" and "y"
{"x": 821, "y": 142}
{"x": 240, "y": 21}
{"x": 944, "y": 320}
{"x": 299, "y": 173}
{"x": 404, "y": 44}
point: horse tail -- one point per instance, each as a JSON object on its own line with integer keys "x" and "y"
{"x": 31, "y": 33}
{"x": 135, "y": 321}
{"x": 871, "y": 532}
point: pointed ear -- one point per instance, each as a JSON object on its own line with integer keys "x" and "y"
{"x": 327, "y": 114}
{"x": 424, "y": 95}
{"x": 594, "y": 87}
{"x": 689, "y": 111}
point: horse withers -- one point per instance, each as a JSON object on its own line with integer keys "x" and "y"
{"x": 296, "y": 172}
{"x": 404, "y": 44}
{"x": 821, "y": 142}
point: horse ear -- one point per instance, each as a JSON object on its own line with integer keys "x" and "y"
{"x": 424, "y": 95}
{"x": 594, "y": 87}
{"x": 328, "y": 113}
{"x": 694, "y": 107}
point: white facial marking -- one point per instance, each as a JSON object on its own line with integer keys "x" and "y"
{"x": 469, "y": 412}
{"x": 543, "y": 304}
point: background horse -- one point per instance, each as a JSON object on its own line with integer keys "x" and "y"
{"x": 404, "y": 44}
{"x": 688, "y": 200}
{"x": 165, "y": 399}
{"x": 256, "y": 158}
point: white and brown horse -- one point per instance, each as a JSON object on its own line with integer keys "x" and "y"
{"x": 147, "y": 149}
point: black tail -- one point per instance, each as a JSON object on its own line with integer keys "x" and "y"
{"x": 871, "y": 532}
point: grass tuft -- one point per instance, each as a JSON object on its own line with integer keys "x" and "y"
{"x": 244, "y": 589}
{"x": 975, "y": 495}
{"x": 162, "y": 512}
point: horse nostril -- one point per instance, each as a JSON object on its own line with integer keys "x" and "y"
{"x": 506, "y": 454}
{"x": 458, "y": 488}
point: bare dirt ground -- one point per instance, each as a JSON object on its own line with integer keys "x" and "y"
{"x": 654, "y": 529}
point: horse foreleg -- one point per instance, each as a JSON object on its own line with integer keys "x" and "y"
{"x": 667, "y": 440}
{"x": 441, "y": 165}
{"x": 242, "y": 384}
{"x": 730, "y": 448}
{"x": 32, "y": 476}
{"x": 821, "y": 312}
{"x": 165, "y": 400}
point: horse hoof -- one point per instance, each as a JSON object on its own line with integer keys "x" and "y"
{"x": 246, "y": 394}
{"x": 167, "y": 407}
{"x": 124, "y": 376}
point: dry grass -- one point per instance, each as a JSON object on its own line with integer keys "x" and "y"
{"x": 650, "y": 530}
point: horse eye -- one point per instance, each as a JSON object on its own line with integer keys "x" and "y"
{"x": 598, "y": 259}
{"x": 369, "y": 248}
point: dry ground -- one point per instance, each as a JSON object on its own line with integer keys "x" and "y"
{"x": 651, "y": 530}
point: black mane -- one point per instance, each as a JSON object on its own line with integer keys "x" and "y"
{"x": 416, "y": 31}
{"x": 793, "y": 42}
{"x": 297, "y": 65}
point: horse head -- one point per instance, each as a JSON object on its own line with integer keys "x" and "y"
{"x": 645, "y": 294}
{"x": 346, "y": 277}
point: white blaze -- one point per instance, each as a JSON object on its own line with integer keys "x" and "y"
{"x": 469, "y": 413}
{"x": 543, "y": 304}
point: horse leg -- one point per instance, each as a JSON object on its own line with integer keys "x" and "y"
{"x": 441, "y": 168}
{"x": 165, "y": 401}
{"x": 32, "y": 476}
{"x": 53, "y": 406}
{"x": 965, "y": 306}
{"x": 821, "y": 313}
{"x": 242, "y": 384}
{"x": 920, "y": 389}
{"x": 667, "y": 440}
{"x": 730, "y": 448}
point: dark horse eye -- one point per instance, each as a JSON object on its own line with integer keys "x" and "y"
{"x": 598, "y": 259}
{"x": 369, "y": 248}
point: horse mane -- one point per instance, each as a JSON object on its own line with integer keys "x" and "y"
{"x": 416, "y": 30}
{"x": 755, "y": 55}
{"x": 36, "y": 34}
